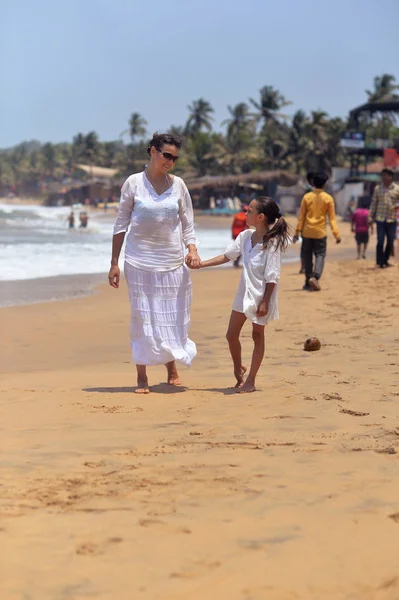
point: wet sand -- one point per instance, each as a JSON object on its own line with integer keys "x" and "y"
{"x": 288, "y": 493}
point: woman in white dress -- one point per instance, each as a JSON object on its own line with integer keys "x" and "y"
{"x": 256, "y": 298}
{"x": 156, "y": 208}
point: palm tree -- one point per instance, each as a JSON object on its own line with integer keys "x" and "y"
{"x": 49, "y": 158}
{"x": 78, "y": 146}
{"x": 201, "y": 152}
{"x": 384, "y": 88}
{"x": 298, "y": 140}
{"x": 269, "y": 106}
{"x": 239, "y": 121}
{"x": 137, "y": 127}
{"x": 92, "y": 146}
{"x": 318, "y": 134}
{"x": 199, "y": 118}
{"x": 234, "y": 149}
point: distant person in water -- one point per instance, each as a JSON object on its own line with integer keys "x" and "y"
{"x": 71, "y": 220}
{"x": 360, "y": 227}
{"x": 84, "y": 219}
{"x": 316, "y": 206}
{"x": 239, "y": 225}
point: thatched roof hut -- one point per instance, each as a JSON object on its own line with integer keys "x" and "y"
{"x": 227, "y": 182}
{"x": 243, "y": 185}
{"x": 95, "y": 172}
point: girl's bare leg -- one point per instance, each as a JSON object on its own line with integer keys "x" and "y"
{"x": 258, "y": 336}
{"x": 142, "y": 380}
{"x": 173, "y": 375}
{"x": 236, "y": 323}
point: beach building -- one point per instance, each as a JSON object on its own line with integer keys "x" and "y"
{"x": 207, "y": 191}
{"x": 87, "y": 182}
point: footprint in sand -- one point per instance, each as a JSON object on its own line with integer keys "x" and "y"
{"x": 94, "y": 465}
{"x": 333, "y": 396}
{"x": 196, "y": 569}
{"x": 354, "y": 413}
{"x": 158, "y": 524}
{"x": 92, "y": 549}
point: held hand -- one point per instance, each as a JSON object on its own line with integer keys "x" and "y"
{"x": 295, "y": 239}
{"x": 338, "y": 240}
{"x": 114, "y": 276}
{"x": 193, "y": 261}
{"x": 263, "y": 309}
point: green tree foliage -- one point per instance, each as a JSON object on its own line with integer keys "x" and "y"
{"x": 200, "y": 117}
{"x": 257, "y": 135}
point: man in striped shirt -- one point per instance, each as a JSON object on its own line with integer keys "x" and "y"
{"x": 383, "y": 212}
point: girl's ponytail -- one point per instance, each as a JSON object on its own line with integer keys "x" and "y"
{"x": 279, "y": 230}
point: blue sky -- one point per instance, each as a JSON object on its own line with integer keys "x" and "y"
{"x": 81, "y": 65}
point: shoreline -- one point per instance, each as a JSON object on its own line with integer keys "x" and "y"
{"x": 56, "y": 288}
{"x": 23, "y": 292}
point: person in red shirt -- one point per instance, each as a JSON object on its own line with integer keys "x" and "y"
{"x": 360, "y": 227}
{"x": 239, "y": 224}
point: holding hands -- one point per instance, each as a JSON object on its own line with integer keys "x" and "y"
{"x": 193, "y": 261}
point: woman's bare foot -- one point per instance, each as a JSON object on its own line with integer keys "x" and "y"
{"x": 173, "y": 375}
{"x": 142, "y": 387}
{"x": 240, "y": 377}
{"x": 247, "y": 388}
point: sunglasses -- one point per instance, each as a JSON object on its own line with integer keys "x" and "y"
{"x": 168, "y": 156}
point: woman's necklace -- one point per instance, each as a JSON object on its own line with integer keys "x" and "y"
{"x": 165, "y": 186}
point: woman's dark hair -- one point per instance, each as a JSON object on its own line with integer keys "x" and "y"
{"x": 159, "y": 139}
{"x": 279, "y": 228}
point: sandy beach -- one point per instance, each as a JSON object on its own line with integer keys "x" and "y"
{"x": 289, "y": 493}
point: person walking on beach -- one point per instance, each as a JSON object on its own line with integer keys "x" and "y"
{"x": 256, "y": 298}
{"x": 312, "y": 226}
{"x": 157, "y": 207}
{"x": 309, "y": 188}
{"x": 383, "y": 212}
{"x": 239, "y": 224}
{"x": 360, "y": 227}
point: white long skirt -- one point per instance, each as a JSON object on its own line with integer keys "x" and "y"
{"x": 160, "y": 304}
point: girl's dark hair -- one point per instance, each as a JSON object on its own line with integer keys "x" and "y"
{"x": 159, "y": 139}
{"x": 279, "y": 228}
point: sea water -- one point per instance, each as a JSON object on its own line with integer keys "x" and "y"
{"x": 35, "y": 242}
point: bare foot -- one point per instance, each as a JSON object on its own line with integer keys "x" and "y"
{"x": 246, "y": 388}
{"x": 173, "y": 375}
{"x": 142, "y": 388}
{"x": 240, "y": 377}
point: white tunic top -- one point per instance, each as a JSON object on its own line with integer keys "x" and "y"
{"x": 259, "y": 268}
{"x": 160, "y": 226}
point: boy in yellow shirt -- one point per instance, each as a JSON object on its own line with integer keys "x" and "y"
{"x": 312, "y": 226}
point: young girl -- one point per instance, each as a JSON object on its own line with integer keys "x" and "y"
{"x": 256, "y": 298}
